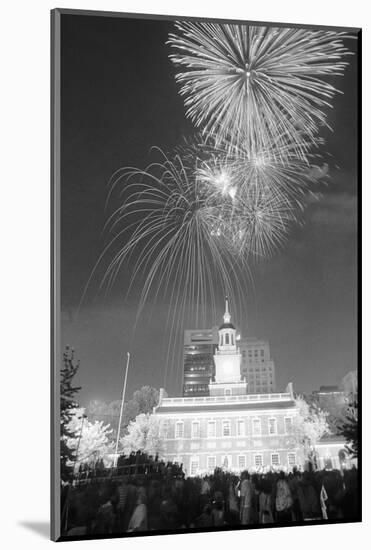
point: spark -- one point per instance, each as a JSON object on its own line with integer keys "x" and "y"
{"x": 265, "y": 83}
{"x": 268, "y": 192}
{"x": 165, "y": 221}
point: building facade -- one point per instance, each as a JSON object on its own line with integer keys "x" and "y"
{"x": 257, "y": 366}
{"x": 235, "y": 432}
{"x": 331, "y": 399}
{"x": 332, "y": 454}
{"x": 230, "y": 427}
{"x": 198, "y": 361}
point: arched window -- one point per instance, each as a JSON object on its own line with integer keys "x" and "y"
{"x": 227, "y": 339}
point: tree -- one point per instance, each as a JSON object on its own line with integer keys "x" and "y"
{"x": 348, "y": 428}
{"x": 142, "y": 402}
{"x": 67, "y": 407}
{"x": 146, "y": 398}
{"x": 309, "y": 426}
{"x": 143, "y": 434}
{"x": 90, "y": 440}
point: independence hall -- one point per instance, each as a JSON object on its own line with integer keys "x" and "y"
{"x": 221, "y": 424}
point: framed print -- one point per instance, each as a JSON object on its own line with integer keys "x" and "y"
{"x": 205, "y": 195}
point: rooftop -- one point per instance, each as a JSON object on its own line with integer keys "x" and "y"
{"x": 225, "y": 402}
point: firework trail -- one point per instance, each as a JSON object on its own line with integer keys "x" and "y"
{"x": 166, "y": 229}
{"x": 165, "y": 221}
{"x": 265, "y": 192}
{"x": 265, "y": 83}
{"x": 187, "y": 227}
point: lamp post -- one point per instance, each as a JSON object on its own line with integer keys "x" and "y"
{"x": 121, "y": 409}
{"x": 80, "y": 435}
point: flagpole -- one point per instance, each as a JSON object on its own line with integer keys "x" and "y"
{"x": 122, "y": 406}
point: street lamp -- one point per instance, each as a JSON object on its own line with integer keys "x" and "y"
{"x": 121, "y": 409}
{"x": 83, "y": 416}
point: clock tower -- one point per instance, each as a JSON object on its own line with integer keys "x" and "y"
{"x": 227, "y": 360}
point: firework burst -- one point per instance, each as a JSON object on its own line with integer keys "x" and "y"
{"x": 265, "y": 83}
{"x": 265, "y": 192}
{"x": 166, "y": 222}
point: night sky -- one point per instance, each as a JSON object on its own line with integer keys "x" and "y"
{"x": 119, "y": 98}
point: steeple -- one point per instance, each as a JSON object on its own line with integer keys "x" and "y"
{"x": 227, "y": 315}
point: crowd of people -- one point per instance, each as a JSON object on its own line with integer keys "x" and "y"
{"x": 143, "y": 495}
{"x": 134, "y": 464}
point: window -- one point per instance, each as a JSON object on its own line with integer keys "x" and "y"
{"x": 258, "y": 460}
{"x": 195, "y": 429}
{"x": 228, "y": 391}
{"x": 288, "y": 424}
{"x": 256, "y": 426}
{"x": 262, "y": 352}
{"x": 226, "y": 462}
{"x": 272, "y": 426}
{"x": 242, "y": 462}
{"x": 227, "y": 339}
{"x": 211, "y": 429}
{"x": 179, "y": 428}
{"x": 194, "y": 465}
{"x": 275, "y": 459}
{"x": 291, "y": 459}
{"x": 211, "y": 463}
{"x": 226, "y": 428}
{"x": 240, "y": 427}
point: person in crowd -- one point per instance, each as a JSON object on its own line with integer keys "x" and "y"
{"x": 333, "y": 485}
{"x": 138, "y": 521}
{"x": 144, "y": 493}
{"x": 169, "y": 511}
{"x": 206, "y": 518}
{"x": 309, "y": 498}
{"x": 246, "y": 494}
{"x": 154, "y": 505}
{"x": 265, "y": 502}
{"x": 283, "y": 500}
{"x": 349, "y": 504}
{"x": 294, "y": 480}
{"x": 233, "y": 508}
{"x": 218, "y": 511}
{"x": 105, "y": 520}
{"x": 123, "y": 505}
{"x": 205, "y": 490}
